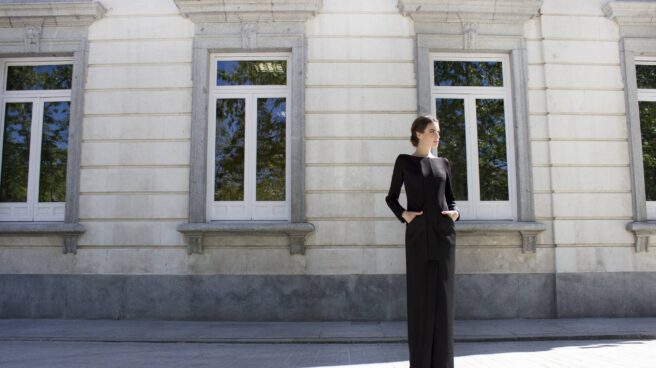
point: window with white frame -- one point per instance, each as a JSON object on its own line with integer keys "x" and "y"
{"x": 35, "y": 111}
{"x": 471, "y": 98}
{"x": 249, "y": 153}
{"x": 646, "y": 78}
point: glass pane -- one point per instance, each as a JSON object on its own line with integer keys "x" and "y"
{"x": 648, "y": 131}
{"x": 451, "y": 114}
{"x": 270, "y": 176}
{"x": 251, "y": 72}
{"x": 54, "y": 152}
{"x": 15, "y": 152}
{"x": 468, "y": 73}
{"x": 38, "y": 77}
{"x": 229, "y": 157}
{"x": 646, "y": 75}
{"x": 492, "y": 159}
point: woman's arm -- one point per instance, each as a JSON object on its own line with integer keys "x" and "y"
{"x": 392, "y": 198}
{"x": 448, "y": 191}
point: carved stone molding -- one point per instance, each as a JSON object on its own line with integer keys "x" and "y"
{"x": 632, "y": 13}
{"x": 69, "y": 232}
{"x": 245, "y": 11}
{"x": 641, "y": 231}
{"x": 49, "y": 14}
{"x": 528, "y": 230}
{"x": 470, "y": 11}
{"x": 296, "y": 232}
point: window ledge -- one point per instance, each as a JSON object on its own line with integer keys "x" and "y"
{"x": 642, "y": 230}
{"x": 68, "y": 231}
{"x": 296, "y": 232}
{"x": 527, "y": 229}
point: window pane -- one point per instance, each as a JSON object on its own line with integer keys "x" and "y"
{"x": 54, "y": 152}
{"x": 492, "y": 159}
{"x": 251, "y": 72}
{"x": 229, "y": 158}
{"x": 15, "y": 152}
{"x": 451, "y": 114}
{"x": 648, "y": 131}
{"x": 468, "y": 73}
{"x": 646, "y": 75}
{"x": 38, "y": 77}
{"x": 271, "y": 119}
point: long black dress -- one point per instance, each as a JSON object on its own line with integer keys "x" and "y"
{"x": 430, "y": 241}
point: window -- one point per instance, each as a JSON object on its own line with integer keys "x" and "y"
{"x": 35, "y": 113}
{"x": 646, "y": 80}
{"x": 471, "y": 98}
{"x": 248, "y": 123}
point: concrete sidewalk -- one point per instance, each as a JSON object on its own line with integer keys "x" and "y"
{"x": 318, "y": 332}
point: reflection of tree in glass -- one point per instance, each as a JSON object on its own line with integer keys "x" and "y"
{"x": 54, "y": 152}
{"x": 229, "y": 157}
{"x": 492, "y": 160}
{"x": 246, "y": 72}
{"x": 468, "y": 73}
{"x": 648, "y": 131}
{"x": 38, "y": 77}
{"x": 271, "y": 119}
{"x": 646, "y": 75}
{"x": 15, "y": 152}
{"x": 451, "y": 114}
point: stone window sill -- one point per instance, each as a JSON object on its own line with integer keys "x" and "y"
{"x": 527, "y": 229}
{"x": 68, "y": 231}
{"x": 642, "y": 230}
{"x": 296, "y": 232}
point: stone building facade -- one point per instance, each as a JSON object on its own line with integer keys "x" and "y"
{"x": 228, "y": 160}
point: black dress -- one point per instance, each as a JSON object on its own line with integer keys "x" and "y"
{"x": 430, "y": 241}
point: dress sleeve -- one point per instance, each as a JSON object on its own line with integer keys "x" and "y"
{"x": 392, "y": 198}
{"x": 448, "y": 191}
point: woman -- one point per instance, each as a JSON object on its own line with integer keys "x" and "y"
{"x": 430, "y": 241}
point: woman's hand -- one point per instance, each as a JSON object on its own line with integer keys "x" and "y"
{"x": 453, "y": 214}
{"x": 408, "y": 216}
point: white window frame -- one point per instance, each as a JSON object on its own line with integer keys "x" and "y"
{"x": 32, "y": 209}
{"x": 474, "y": 208}
{"x": 249, "y": 209}
{"x": 647, "y": 95}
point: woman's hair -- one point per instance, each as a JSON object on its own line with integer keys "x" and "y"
{"x": 419, "y": 125}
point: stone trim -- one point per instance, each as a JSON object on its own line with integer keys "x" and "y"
{"x": 470, "y": 11}
{"x": 208, "y": 11}
{"x": 637, "y": 22}
{"x": 50, "y": 14}
{"x": 251, "y": 27}
{"x": 642, "y": 230}
{"x": 528, "y": 230}
{"x": 295, "y": 231}
{"x": 482, "y": 38}
{"x": 68, "y": 231}
{"x": 34, "y": 30}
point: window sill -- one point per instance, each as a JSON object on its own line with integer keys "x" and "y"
{"x": 642, "y": 230}
{"x": 527, "y": 229}
{"x": 68, "y": 231}
{"x": 296, "y": 232}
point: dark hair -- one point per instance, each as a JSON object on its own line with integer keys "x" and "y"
{"x": 419, "y": 125}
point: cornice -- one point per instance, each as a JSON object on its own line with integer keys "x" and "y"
{"x": 44, "y": 14}
{"x": 470, "y": 11}
{"x": 631, "y": 13}
{"x": 247, "y": 11}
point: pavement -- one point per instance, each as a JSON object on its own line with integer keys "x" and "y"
{"x": 521, "y": 343}
{"x": 319, "y": 332}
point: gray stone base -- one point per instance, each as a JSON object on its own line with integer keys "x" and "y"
{"x": 325, "y": 297}
{"x": 606, "y": 294}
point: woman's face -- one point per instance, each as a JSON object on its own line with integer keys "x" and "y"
{"x": 431, "y": 135}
